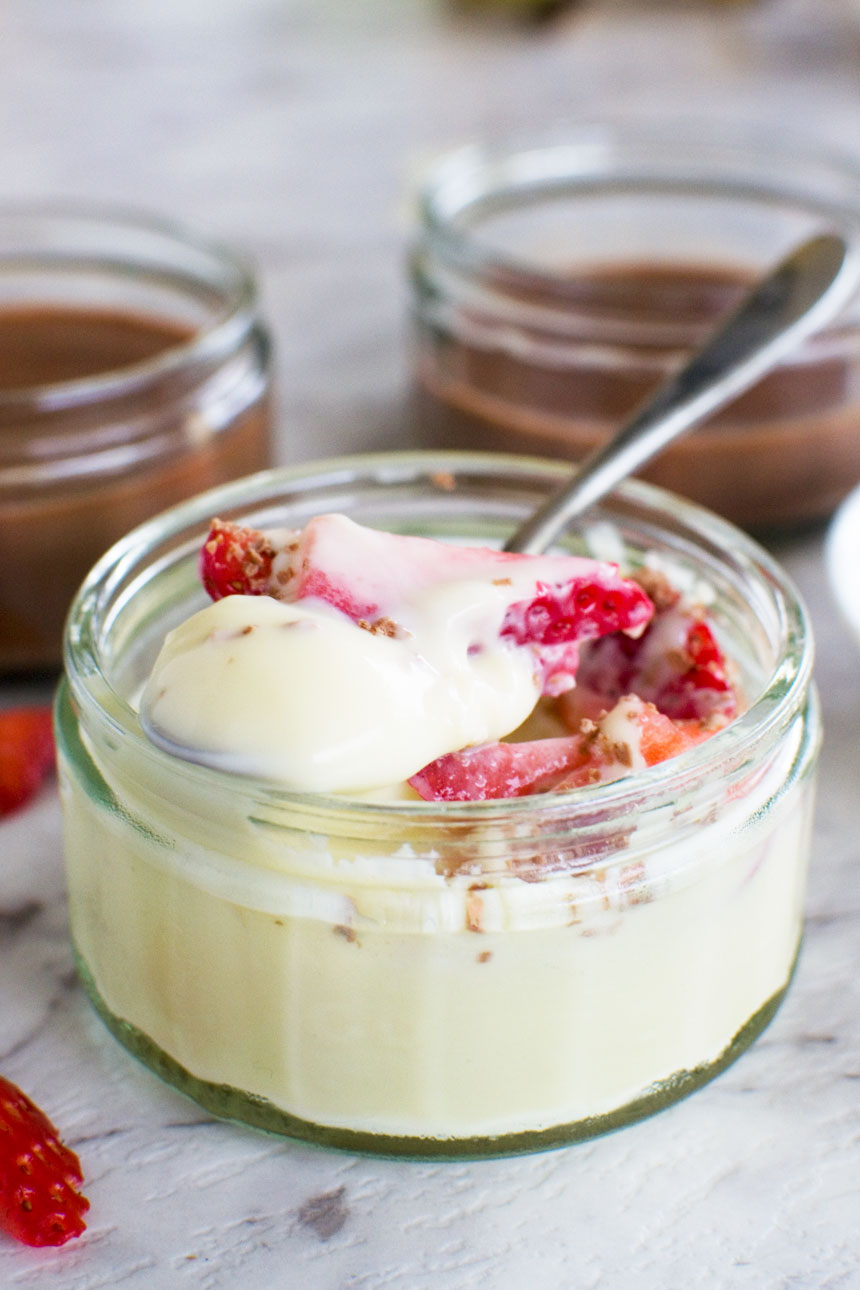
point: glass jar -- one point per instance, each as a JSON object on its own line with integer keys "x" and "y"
{"x": 134, "y": 371}
{"x": 556, "y": 283}
{"x": 436, "y": 978}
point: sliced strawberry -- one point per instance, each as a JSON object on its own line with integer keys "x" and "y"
{"x": 661, "y": 738}
{"x": 554, "y": 602}
{"x": 501, "y": 770}
{"x": 558, "y": 617}
{"x": 578, "y": 609}
{"x": 358, "y": 570}
{"x": 40, "y": 1200}
{"x": 26, "y": 754}
{"x": 631, "y": 733}
{"x": 675, "y": 664}
{"x": 236, "y": 561}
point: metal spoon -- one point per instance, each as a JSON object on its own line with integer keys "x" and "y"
{"x": 803, "y": 292}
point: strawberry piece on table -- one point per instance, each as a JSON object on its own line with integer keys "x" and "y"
{"x": 26, "y": 754}
{"x": 40, "y": 1177}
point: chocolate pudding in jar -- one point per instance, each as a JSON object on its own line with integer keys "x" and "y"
{"x": 556, "y": 284}
{"x": 134, "y": 372}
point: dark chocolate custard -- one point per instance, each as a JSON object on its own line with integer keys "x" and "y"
{"x": 48, "y": 345}
{"x": 97, "y": 435}
{"x": 576, "y": 355}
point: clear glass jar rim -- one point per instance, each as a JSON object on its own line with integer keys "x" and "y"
{"x": 220, "y": 336}
{"x": 783, "y": 695}
{"x": 564, "y": 159}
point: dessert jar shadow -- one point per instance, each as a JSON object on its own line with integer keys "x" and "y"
{"x": 556, "y": 282}
{"x": 134, "y": 371}
{"x": 429, "y": 979}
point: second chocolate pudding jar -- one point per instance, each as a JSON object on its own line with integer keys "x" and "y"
{"x": 556, "y": 282}
{"x": 134, "y": 371}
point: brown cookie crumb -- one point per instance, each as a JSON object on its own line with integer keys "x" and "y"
{"x": 380, "y": 627}
{"x": 474, "y": 912}
{"x": 631, "y": 880}
{"x": 657, "y": 588}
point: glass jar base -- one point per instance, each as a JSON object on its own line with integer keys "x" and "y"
{"x": 227, "y": 1103}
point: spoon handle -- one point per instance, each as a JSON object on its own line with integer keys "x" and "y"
{"x": 802, "y": 293}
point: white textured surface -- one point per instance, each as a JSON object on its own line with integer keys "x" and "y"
{"x": 290, "y": 126}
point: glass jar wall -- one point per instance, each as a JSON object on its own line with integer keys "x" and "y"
{"x": 134, "y": 371}
{"x": 426, "y": 978}
{"x": 555, "y": 282}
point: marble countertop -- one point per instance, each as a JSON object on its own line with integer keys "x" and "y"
{"x": 292, "y": 128}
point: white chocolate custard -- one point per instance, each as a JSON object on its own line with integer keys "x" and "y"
{"x": 422, "y": 977}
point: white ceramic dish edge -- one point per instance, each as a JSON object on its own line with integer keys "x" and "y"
{"x": 842, "y": 558}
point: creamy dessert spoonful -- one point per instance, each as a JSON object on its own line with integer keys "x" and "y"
{"x": 341, "y": 659}
{"x": 346, "y": 659}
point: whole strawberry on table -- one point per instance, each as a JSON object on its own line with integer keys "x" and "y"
{"x": 40, "y": 1177}
{"x": 26, "y": 754}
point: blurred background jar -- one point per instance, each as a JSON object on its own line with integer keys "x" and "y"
{"x": 544, "y": 10}
{"x": 134, "y": 372}
{"x": 555, "y": 283}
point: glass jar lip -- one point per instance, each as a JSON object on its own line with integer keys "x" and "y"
{"x": 505, "y": 170}
{"x": 782, "y": 696}
{"x": 220, "y": 336}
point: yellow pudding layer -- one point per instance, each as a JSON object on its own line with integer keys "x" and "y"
{"x": 383, "y": 990}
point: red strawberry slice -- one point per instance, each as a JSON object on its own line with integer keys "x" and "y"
{"x": 577, "y": 610}
{"x": 555, "y": 601}
{"x": 236, "y": 561}
{"x": 358, "y": 570}
{"x": 650, "y": 732}
{"x": 26, "y": 754}
{"x": 558, "y": 617}
{"x": 501, "y": 770}
{"x": 675, "y": 664}
{"x": 661, "y": 737}
{"x": 591, "y": 756}
{"x": 40, "y": 1177}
